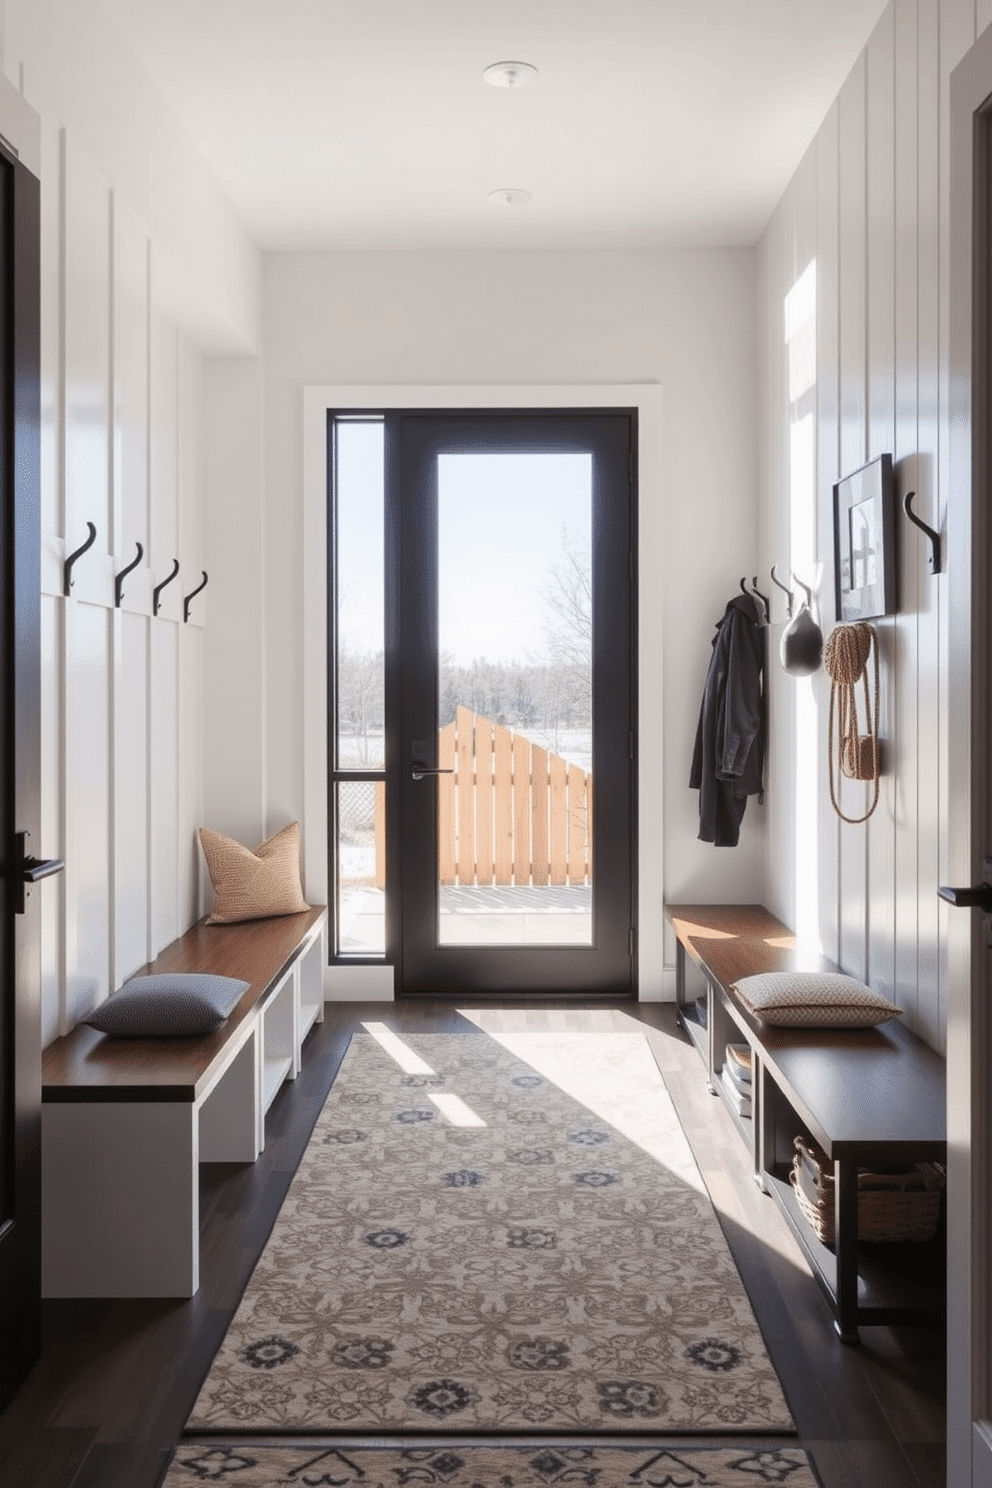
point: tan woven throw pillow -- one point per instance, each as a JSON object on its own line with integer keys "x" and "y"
{"x": 254, "y": 885}
{"x": 813, "y": 999}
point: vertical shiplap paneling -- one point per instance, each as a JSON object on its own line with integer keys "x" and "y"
{"x": 882, "y": 242}
{"x": 802, "y": 556}
{"x": 131, "y": 783}
{"x": 780, "y": 763}
{"x": 164, "y": 791}
{"x": 164, "y": 517}
{"x": 190, "y": 636}
{"x": 929, "y": 1010}
{"x": 86, "y": 682}
{"x": 853, "y": 430}
{"x": 828, "y": 453}
{"x": 51, "y": 328}
{"x": 163, "y": 681}
{"x": 192, "y": 889}
{"x": 113, "y": 804}
{"x": 130, "y": 698}
{"x": 904, "y": 749}
{"x": 131, "y": 310}
{"x": 87, "y": 350}
{"x": 88, "y": 960}
{"x": 880, "y": 312}
{"x": 957, "y": 34}
{"x": 52, "y": 902}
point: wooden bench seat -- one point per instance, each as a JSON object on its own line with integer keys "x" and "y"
{"x": 125, "y": 1122}
{"x": 871, "y": 1098}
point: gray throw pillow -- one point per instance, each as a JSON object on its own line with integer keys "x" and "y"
{"x": 168, "y": 1005}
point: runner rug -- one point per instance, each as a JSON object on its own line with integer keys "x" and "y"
{"x": 456, "y": 1466}
{"x": 495, "y": 1234}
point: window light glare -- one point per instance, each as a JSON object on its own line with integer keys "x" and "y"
{"x": 800, "y": 302}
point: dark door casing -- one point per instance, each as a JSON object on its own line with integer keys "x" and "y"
{"x": 414, "y": 439}
{"x": 20, "y": 745}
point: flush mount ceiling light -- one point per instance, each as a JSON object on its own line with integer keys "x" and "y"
{"x": 509, "y": 74}
{"x": 510, "y": 196}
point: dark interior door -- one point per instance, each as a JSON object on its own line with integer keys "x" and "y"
{"x": 511, "y": 671}
{"x": 20, "y": 1037}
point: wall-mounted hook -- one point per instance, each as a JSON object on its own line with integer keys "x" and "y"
{"x": 119, "y": 578}
{"x": 70, "y": 562}
{"x": 764, "y": 600}
{"x": 764, "y": 614}
{"x": 790, "y": 598}
{"x": 159, "y": 587}
{"x": 933, "y": 536}
{"x": 806, "y": 588}
{"x": 191, "y": 594}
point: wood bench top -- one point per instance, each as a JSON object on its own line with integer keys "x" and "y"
{"x": 86, "y": 1065}
{"x": 852, "y": 1086}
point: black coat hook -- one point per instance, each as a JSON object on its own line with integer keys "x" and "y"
{"x": 191, "y": 594}
{"x": 764, "y": 614}
{"x": 933, "y": 536}
{"x": 119, "y": 578}
{"x": 70, "y": 562}
{"x": 790, "y": 598}
{"x": 764, "y": 600}
{"x": 159, "y": 587}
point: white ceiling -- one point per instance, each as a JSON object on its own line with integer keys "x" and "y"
{"x": 366, "y": 123}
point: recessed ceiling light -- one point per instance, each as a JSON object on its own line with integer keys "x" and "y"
{"x": 510, "y": 196}
{"x": 510, "y": 74}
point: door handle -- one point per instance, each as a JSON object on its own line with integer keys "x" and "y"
{"x": 419, "y": 771}
{"x": 29, "y": 870}
{"x": 975, "y": 896}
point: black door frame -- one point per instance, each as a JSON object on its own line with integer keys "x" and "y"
{"x": 618, "y": 793}
{"x": 20, "y": 625}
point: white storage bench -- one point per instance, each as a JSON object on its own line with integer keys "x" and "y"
{"x": 125, "y": 1122}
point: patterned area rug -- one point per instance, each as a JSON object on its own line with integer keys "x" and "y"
{"x": 489, "y": 1467}
{"x": 495, "y": 1234}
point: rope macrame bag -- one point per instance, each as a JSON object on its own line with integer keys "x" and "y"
{"x": 845, "y": 659}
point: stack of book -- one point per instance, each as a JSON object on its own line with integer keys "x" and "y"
{"x": 736, "y": 1077}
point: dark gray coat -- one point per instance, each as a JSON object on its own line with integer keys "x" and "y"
{"x": 728, "y": 760}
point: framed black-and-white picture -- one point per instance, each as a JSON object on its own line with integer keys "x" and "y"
{"x": 864, "y": 542}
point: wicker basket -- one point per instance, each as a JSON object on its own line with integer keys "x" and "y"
{"x": 891, "y": 1206}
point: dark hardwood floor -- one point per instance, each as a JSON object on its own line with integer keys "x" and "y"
{"x": 107, "y": 1401}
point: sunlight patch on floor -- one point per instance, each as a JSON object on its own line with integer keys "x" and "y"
{"x": 587, "y": 1066}
{"x": 561, "y": 1054}
{"x": 455, "y": 1110}
{"x": 409, "y": 1062}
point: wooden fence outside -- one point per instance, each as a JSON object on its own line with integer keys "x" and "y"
{"x": 511, "y": 813}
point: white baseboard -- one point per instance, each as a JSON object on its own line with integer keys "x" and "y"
{"x": 359, "y": 984}
{"x": 663, "y": 993}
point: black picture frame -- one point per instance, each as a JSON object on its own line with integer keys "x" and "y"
{"x": 864, "y": 542}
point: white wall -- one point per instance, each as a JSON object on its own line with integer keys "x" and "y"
{"x": 69, "y": 61}
{"x": 870, "y": 204}
{"x": 141, "y": 270}
{"x": 682, "y": 320}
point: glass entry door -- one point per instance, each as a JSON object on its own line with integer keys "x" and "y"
{"x": 512, "y": 667}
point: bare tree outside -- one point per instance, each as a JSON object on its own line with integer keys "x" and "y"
{"x": 549, "y": 697}
{"x": 568, "y": 634}
{"x": 360, "y": 707}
